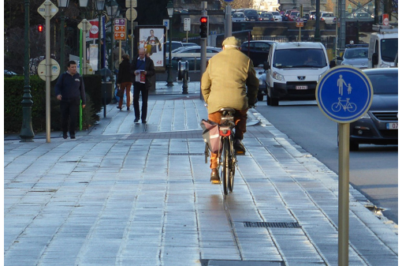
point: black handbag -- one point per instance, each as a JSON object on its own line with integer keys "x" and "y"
{"x": 120, "y": 93}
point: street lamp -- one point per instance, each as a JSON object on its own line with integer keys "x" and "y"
{"x": 84, "y": 4}
{"x": 169, "y": 8}
{"x": 26, "y": 128}
{"x": 100, "y": 6}
{"x": 112, "y": 11}
{"x": 62, "y": 5}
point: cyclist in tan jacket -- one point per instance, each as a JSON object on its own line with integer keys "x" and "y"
{"x": 223, "y": 84}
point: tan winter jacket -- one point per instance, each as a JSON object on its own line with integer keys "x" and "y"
{"x": 223, "y": 82}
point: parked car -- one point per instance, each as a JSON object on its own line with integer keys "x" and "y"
{"x": 277, "y": 16}
{"x": 363, "y": 15}
{"x": 192, "y": 52}
{"x": 293, "y": 70}
{"x": 380, "y": 124}
{"x": 293, "y": 14}
{"x": 304, "y": 18}
{"x": 175, "y": 45}
{"x": 257, "y": 50}
{"x": 266, "y": 17}
{"x": 251, "y": 14}
{"x": 238, "y": 17}
{"x": 312, "y": 15}
{"x": 186, "y": 44}
{"x": 357, "y": 57}
{"x": 9, "y": 73}
{"x": 327, "y": 17}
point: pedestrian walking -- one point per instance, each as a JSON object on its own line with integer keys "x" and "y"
{"x": 124, "y": 81}
{"x": 69, "y": 91}
{"x": 142, "y": 69}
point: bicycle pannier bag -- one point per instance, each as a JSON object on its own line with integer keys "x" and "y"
{"x": 211, "y": 135}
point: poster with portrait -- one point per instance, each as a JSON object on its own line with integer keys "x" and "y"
{"x": 152, "y": 39}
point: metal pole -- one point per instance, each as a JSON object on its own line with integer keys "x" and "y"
{"x": 317, "y": 34}
{"x": 82, "y": 73}
{"x": 228, "y": 21}
{"x": 112, "y": 67}
{"x": 169, "y": 77}
{"x": 203, "y": 42}
{"x": 84, "y": 45}
{"x": 132, "y": 25}
{"x": 342, "y": 30}
{"x": 62, "y": 55}
{"x": 343, "y": 211}
{"x": 99, "y": 41}
{"x": 48, "y": 68}
{"x": 301, "y": 16}
{"x": 27, "y": 133}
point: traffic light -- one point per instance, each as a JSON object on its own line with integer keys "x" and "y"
{"x": 204, "y": 27}
{"x": 40, "y": 28}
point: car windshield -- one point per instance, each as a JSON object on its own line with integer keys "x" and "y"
{"x": 379, "y": 79}
{"x": 303, "y": 57}
{"x": 356, "y": 53}
{"x": 249, "y": 13}
{"x": 294, "y": 13}
{"x": 275, "y": 13}
{"x": 389, "y": 49}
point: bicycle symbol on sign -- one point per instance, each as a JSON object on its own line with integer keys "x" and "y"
{"x": 344, "y": 104}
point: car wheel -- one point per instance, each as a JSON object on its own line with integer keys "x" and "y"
{"x": 260, "y": 96}
{"x": 353, "y": 146}
{"x": 274, "y": 102}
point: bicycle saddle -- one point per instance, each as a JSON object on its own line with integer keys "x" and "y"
{"x": 227, "y": 111}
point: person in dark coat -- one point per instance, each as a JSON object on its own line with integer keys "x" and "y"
{"x": 124, "y": 80}
{"x": 142, "y": 69}
{"x": 69, "y": 90}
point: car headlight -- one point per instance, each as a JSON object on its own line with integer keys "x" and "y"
{"x": 278, "y": 76}
{"x": 365, "y": 116}
{"x": 319, "y": 77}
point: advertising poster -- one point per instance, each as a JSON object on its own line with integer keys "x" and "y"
{"x": 152, "y": 40}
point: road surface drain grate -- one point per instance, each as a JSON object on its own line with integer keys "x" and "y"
{"x": 272, "y": 224}
{"x": 178, "y": 153}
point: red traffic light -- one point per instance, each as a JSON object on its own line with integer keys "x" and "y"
{"x": 40, "y": 28}
{"x": 203, "y": 19}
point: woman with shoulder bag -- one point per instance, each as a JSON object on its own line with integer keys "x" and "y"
{"x": 124, "y": 81}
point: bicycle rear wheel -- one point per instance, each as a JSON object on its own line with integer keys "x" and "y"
{"x": 232, "y": 166}
{"x": 225, "y": 165}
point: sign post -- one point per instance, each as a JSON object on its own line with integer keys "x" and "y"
{"x": 131, "y": 14}
{"x": 344, "y": 94}
{"x": 187, "y": 26}
{"x": 385, "y": 20}
{"x": 119, "y": 33}
{"x": 47, "y": 10}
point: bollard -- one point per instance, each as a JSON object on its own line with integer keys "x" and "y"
{"x": 185, "y": 80}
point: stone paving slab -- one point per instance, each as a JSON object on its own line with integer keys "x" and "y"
{"x": 121, "y": 196}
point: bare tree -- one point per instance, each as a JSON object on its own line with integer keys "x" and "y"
{"x": 236, "y": 4}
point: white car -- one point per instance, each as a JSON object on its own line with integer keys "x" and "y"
{"x": 238, "y": 17}
{"x": 193, "y": 52}
{"x": 328, "y": 17}
{"x": 277, "y": 16}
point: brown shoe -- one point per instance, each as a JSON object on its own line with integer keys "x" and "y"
{"x": 215, "y": 176}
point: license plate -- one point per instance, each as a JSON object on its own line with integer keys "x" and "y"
{"x": 301, "y": 87}
{"x": 392, "y": 126}
{"x": 252, "y": 19}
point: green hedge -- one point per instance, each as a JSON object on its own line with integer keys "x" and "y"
{"x": 14, "y": 90}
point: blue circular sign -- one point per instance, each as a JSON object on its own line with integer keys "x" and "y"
{"x": 344, "y": 94}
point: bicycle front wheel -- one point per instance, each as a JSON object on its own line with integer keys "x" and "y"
{"x": 225, "y": 165}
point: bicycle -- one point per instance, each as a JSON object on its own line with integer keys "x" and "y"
{"x": 351, "y": 107}
{"x": 228, "y": 163}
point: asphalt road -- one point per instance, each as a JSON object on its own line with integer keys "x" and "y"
{"x": 373, "y": 169}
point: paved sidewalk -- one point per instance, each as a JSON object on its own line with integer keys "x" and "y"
{"x": 134, "y": 194}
